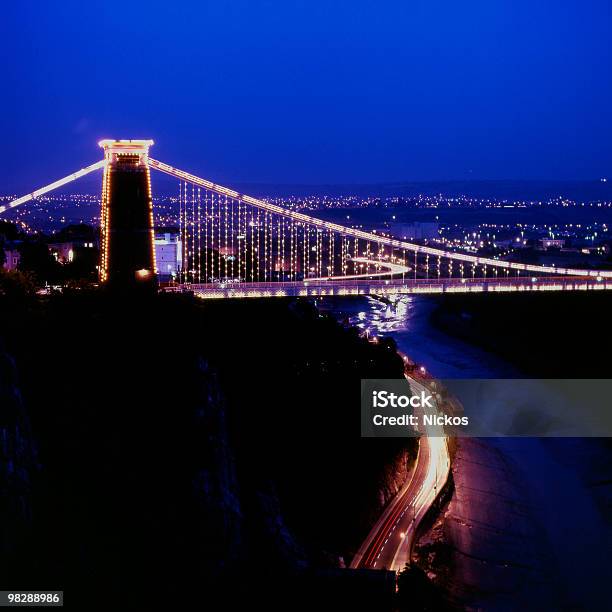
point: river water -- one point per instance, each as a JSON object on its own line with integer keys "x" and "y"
{"x": 407, "y": 322}
{"x": 558, "y": 473}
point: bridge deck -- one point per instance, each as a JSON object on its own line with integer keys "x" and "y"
{"x": 390, "y": 287}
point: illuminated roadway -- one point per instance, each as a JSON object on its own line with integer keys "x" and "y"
{"x": 386, "y": 268}
{"x": 390, "y": 540}
{"x": 392, "y": 286}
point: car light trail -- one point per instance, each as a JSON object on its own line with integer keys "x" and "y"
{"x": 390, "y": 541}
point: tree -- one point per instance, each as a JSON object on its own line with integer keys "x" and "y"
{"x": 416, "y": 592}
{"x": 80, "y": 231}
{"x": 36, "y": 258}
{"x": 16, "y": 287}
{"x": 9, "y": 231}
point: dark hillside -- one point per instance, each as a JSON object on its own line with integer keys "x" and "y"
{"x": 190, "y": 445}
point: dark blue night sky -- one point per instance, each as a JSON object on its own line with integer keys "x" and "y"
{"x": 312, "y": 91}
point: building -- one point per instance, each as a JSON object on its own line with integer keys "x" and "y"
{"x": 65, "y": 252}
{"x": 12, "y": 257}
{"x": 168, "y": 255}
{"x": 416, "y": 231}
{"x": 551, "y": 243}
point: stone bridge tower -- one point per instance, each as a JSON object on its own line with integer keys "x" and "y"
{"x": 127, "y": 232}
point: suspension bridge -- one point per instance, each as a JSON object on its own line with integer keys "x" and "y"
{"x": 236, "y": 246}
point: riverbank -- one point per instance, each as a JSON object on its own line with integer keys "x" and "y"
{"x": 557, "y": 335}
{"x": 486, "y": 549}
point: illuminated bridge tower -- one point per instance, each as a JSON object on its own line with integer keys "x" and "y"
{"x": 128, "y": 252}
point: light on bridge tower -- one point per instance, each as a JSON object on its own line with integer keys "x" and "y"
{"x": 127, "y": 240}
